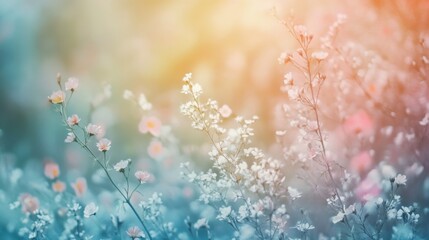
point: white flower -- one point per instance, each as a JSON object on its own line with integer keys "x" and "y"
{"x": 72, "y": 84}
{"x": 425, "y": 120}
{"x": 90, "y": 209}
{"x": 224, "y": 213}
{"x": 121, "y": 165}
{"x": 143, "y": 103}
{"x": 319, "y": 56}
{"x": 202, "y": 222}
{"x": 400, "y": 179}
{"x": 338, "y": 218}
{"x": 143, "y": 176}
{"x": 225, "y": 111}
{"x": 73, "y": 120}
{"x": 128, "y": 95}
{"x": 288, "y": 79}
{"x": 303, "y": 227}
{"x": 70, "y": 137}
{"x": 351, "y": 209}
{"x": 294, "y": 194}
{"x": 135, "y": 232}
{"x": 187, "y": 77}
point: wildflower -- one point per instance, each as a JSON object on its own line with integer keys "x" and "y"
{"x": 72, "y": 84}
{"x": 425, "y": 120}
{"x": 52, "y": 170}
{"x": 303, "y": 227}
{"x": 104, "y": 145}
{"x": 359, "y": 122}
{"x": 155, "y": 149}
{"x": 135, "y": 232}
{"x": 288, "y": 79}
{"x": 93, "y": 129}
{"x": 143, "y": 176}
{"x": 202, "y": 222}
{"x": 187, "y": 77}
{"x": 70, "y": 137}
{"x": 73, "y": 120}
{"x": 58, "y": 186}
{"x": 319, "y": 56}
{"x": 79, "y": 186}
{"x": 151, "y": 125}
{"x": 368, "y": 189}
{"x": 29, "y": 203}
{"x": 128, "y": 95}
{"x": 143, "y": 103}
{"x": 225, "y": 111}
{"x": 90, "y": 210}
{"x": 57, "y": 97}
{"x": 400, "y": 180}
{"x": 294, "y": 194}
{"x": 338, "y": 218}
{"x": 121, "y": 165}
{"x": 224, "y": 213}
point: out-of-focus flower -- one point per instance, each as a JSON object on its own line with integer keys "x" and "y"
{"x": 70, "y": 137}
{"x": 155, "y": 149}
{"x": 319, "y": 56}
{"x": 151, "y": 125}
{"x": 121, "y": 165}
{"x": 224, "y": 212}
{"x": 225, "y": 111}
{"x": 93, "y": 129}
{"x": 52, "y": 170}
{"x": 303, "y": 226}
{"x": 187, "y": 77}
{"x": 202, "y": 222}
{"x": 359, "y": 122}
{"x": 90, "y": 210}
{"x": 72, "y": 84}
{"x": 128, "y": 95}
{"x": 79, "y": 186}
{"x": 338, "y": 218}
{"x": 73, "y": 120}
{"x": 361, "y": 162}
{"x": 425, "y": 120}
{"x": 400, "y": 180}
{"x": 57, "y": 97}
{"x": 135, "y": 233}
{"x": 143, "y": 176}
{"x": 294, "y": 194}
{"x": 29, "y": 203}
{"x": 143, "y": 103}
{"x": 59, "y": 186}
{"x": 368, "y": 189}
{"x": 104, "y": 145}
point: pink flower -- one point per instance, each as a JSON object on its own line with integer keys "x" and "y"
{"x": 359, "y": 122}
{"x": 143, "y": 176}
{"x": 361, "y": 162}
{"x": 29, "y": 203}
{"x": 135, "y": 232}
{"x": 368, "y": 189}
{"x": 73, "y": 120}
{"x": 59, "y": 186}
{"x": 52, "y": 170}
{"x": 225, "y": 111}
{"x": 93, "y": 129}
{"x": 150, "y": 124}
{"x": 155, "y": 149}
{"x": 319, "y": 56}
{"x": 104, "y": 145}
{"x": 72, "y": 84}
{"x": 79, "y": 186}
{"x": 57, "y": 97}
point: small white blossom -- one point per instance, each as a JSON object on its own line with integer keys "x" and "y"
{"x": 90, "y": 209}
{"x": 400, "y": 179}
{"x": 70, "y": 137}
{"x": 294, "y": 193}
{"x": 121, "y": 165}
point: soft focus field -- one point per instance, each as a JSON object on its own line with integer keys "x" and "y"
{"x": 300, "y": 120}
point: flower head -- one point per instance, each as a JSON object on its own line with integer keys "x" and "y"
{"x": 58, "y": 186}
{"x": 72, "y": 84}
{"x": 90, "y": 210}
{"x": 294, "y": 194}
{"x": 29, "y": 203}
{"x": 143, "y": 176}
{"x": 104, "y": 145}
{"x": 93, "y": 129}
{"x": 143, "y": 103}
{"x": 52, "y": 170}
{"x": 70, "y": 137}
{"x": 79, "y": 186}
{"x": 121, "y": 165}
{"x": 225, "y": 111}
{"x": 135, "y": 232}
{"x": 319, "y": 56}
{"x": 57, "y": 97}
{"x": 151, "y": 125}
{"x": 400, "y": 180}
{"x": 73, "y": 120}
{"x": 155, "y": 149}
